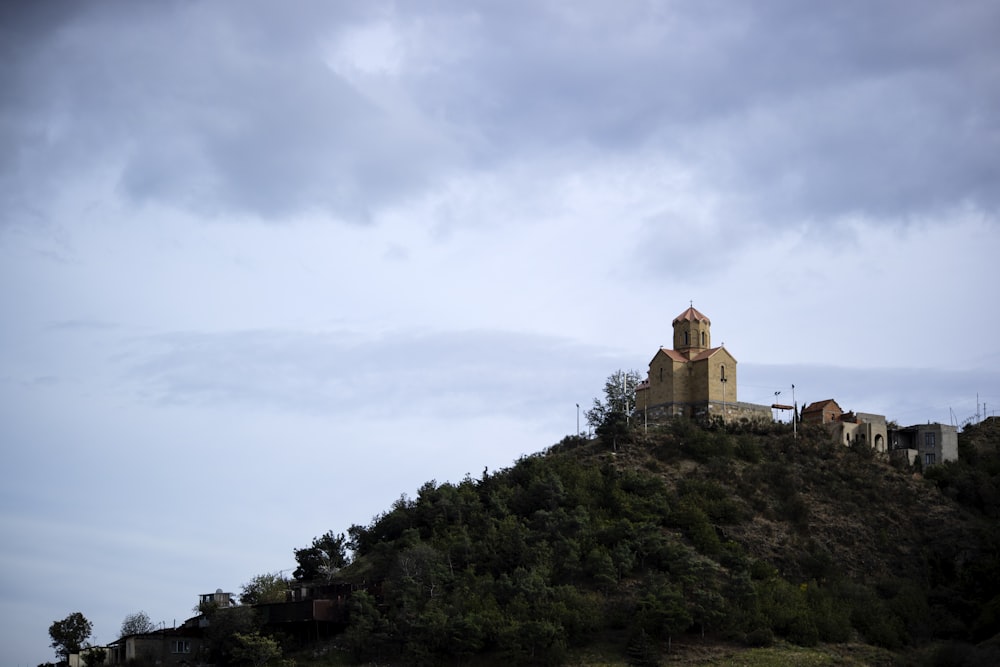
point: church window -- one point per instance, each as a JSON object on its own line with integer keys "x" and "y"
{"x": 703, "y": 343}
{"x": 722, "y": 371}
{"x": 687, "y": 340}
{"x": 661, "y": 373}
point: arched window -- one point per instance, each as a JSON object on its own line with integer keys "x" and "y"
{"x": 687, "y": 340}
{"x": 703, "y": 339}
{"x": 661, "y": 373}
{"x": 722, "y": 372}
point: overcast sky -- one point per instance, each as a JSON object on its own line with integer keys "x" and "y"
{"x": 266, "y": 266}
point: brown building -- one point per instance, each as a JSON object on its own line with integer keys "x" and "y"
{"x": 821, "y": 412}
{"x": 170, "y": 646}
{"x": 848, "y": 428}
{"x": 693, "y": 379}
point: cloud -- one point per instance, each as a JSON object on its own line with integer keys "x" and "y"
{"x": 782, "y": 115}
{"x": 431, "y": 374}
{"x": 238, "y": 118}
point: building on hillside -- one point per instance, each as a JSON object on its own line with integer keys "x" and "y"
{"x": 218, "y": 598}
{"x": 848, "y": 428}
{"x": 821, "y": 412}
{"x": 169, "y": 646}
{"x": 929, "y": 443}
{"x": 693, "y": 379}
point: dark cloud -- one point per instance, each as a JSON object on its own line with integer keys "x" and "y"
{"x": 785, "y": 112}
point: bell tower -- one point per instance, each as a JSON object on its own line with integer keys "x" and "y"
{"x": 692, "y": 333}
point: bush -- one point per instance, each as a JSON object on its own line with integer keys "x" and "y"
{"x": 760, "y": 638}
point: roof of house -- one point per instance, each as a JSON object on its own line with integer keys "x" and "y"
{"x": 691, "y": 315}
{"x": 818, "y": 406}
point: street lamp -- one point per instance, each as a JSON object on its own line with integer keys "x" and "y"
{"x": 578, "y": 420}
{"x": 723, "y": 399}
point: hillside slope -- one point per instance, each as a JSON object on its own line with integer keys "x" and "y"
{"x": 682, "y": 533}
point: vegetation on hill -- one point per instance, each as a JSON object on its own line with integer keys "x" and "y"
{"x": 735, "y": 533}
{"x": 718, "y": 544}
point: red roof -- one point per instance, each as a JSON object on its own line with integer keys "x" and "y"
{"x": 819, "y": 405}
{"x": 706, "y": 354}
{"x": 673, "y": 354}
{"x": 692, "y": 315}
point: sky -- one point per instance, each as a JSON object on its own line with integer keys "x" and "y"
{"x": 265, "y": 267}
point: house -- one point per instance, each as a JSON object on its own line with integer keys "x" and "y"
{"x": 821, "y": 412}
{"x": 693, "y": 379}
{"x": 168, "y": 646}
{"x": 929, "y": 443}
{"x": 218, "y": 599}
{"x": 848, "y": 428}
{"x": 81, "y": 659}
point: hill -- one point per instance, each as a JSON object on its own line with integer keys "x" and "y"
{"x": 679, "y": 544}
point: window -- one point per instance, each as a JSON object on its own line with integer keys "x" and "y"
{"x": 661, "y": 373}
{"x": 703, "y": 339}
{"x": 722, "y": 371}
{"x": 929, "y": 441}
{"x": 687, "y": 339}
{"x": 928, "y": 459}
{"x": 180, "y": 646}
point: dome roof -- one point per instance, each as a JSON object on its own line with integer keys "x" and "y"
{"x": 691, "y": 315}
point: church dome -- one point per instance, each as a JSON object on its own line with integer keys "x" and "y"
{"x": 691, "y": 315}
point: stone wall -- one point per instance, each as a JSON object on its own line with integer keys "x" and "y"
{"x": 702, "y": 410}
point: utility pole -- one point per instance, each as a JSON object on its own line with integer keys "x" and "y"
{"x": 578, "y": 420}
{"x": 795, "y": 415}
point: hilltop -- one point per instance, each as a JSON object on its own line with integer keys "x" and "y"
{"x": 676, "y": 544}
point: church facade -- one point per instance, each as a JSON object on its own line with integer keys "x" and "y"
{"x": 693, "y": 379}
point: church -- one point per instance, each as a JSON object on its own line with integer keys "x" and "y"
{"x": 694, "y": 379}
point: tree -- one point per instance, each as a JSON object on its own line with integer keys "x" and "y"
{"x": 366, "y": 628}
{"x": 321, "y": 560}
{"x": 224, "y": 626}
{"x": 137, "y": 623}
{"x": 94, "y": 656}
{"x": 264, "y": 588}
{"x": 255, "y": 648}
{"x": 619, "y": 397}
{"x": 69, "y": 634}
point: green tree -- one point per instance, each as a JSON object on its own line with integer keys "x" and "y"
{"x": 93, "y": 656}
{"x": 136, "y": 624}
{"x": 264, "y": 588}
{"x": 322, "y": 559}
{"x": 662, "y": 611}
{"x": 366, "y": 628}
{"x": 619, "y": 398}
{"x": 224, "y": 624}
{"x": 255, "y": 648}
{"x": 69, "y": 634}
